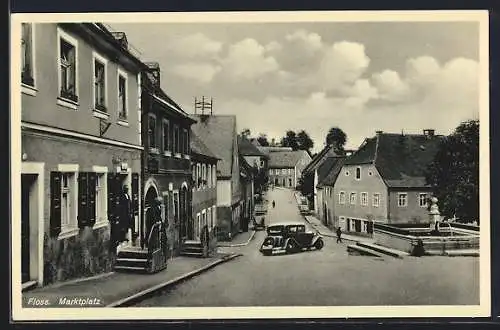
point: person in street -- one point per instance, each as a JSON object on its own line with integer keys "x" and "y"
{"x": 339, "y": 234}
{"x": 274, "y": 204}
{"x": 125, "y": 214}
{"x": 153, "y": 215}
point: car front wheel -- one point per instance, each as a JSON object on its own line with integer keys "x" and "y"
{"x": 319, "y": 244}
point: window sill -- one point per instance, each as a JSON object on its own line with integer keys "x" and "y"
{"x": 167, "y": 153}
{"x": 154, "y": 151}
{"x": 67, "y": 233}
{"x": 177, "y": 155}
{"x": 100, "y": 114}
{"x": 28, "y": 90}
{"x": 67, "y": 103}
{"x": 122, "y": 122}
{"x": 187, "y": 157}
{"x": 100, "y": 224}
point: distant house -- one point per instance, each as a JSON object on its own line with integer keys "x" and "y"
{"x": 257, "y": 159}
{"x": 311, "y": 175}
{"x": 328, "y": 172}
{"x": 384, "y": 181}
{"x": 285, "y": 167}
{"x": 219, "y": 133}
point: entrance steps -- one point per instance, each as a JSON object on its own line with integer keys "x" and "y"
{"x": 375, "y": 250}
{"x": 132, "y": 259}
{"x": 192, "y": 248}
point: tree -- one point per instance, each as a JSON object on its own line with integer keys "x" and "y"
{"x": 290, "y": 140}
{"x": 337, "y": 137}
{"x": 262, "y": 139}
{"x": 454, "y": 173}
{"x": 304, "y": 142}
{"x": 245, "y": 133}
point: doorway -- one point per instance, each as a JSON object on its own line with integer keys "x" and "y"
{"x": 28, "y": 243}
{"x": 151, "y": 195}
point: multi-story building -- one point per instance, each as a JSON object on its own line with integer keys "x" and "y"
{"x": 384, "y": 181}
{"x": 81, "y": 143}
{"x": 219, "y": 133}
{"x": 166, "y": 160}
{"x": 285, "y": 167}
{"x": 257, "y": 159}
{"x": 247, "y": 182}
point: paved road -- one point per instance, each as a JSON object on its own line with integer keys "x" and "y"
{"x": 329, "y": 277}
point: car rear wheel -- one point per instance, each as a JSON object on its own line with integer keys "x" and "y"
{"x": 319, "y": 244}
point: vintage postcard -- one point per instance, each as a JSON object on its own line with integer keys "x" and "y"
{"x": 250, "y": 165}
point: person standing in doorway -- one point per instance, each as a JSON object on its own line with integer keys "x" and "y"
{"x": 339, "y": 234}
{"x": 125, "y": 214}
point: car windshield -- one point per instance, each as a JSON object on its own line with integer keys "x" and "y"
{"x": 275, "y": 229}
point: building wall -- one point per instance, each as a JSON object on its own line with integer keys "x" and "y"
{"x": 43, "y": 108}
{"x": 413, "y": 212}
{"x": 204, "y": 197}
{"x": 86, "y": 252}
{"x": 371, "y": 182}
{"x": 223, "y": 192}
{"x": 288, "y": 176}
{"x": 300, "y": 166}
{"x": 253, "y": 161}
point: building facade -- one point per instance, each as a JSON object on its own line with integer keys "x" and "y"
{"x": 219, "y": 132}
{"x": 81, "y": 143}
{"x": 285, "y": 167}
{"x": 384, "y": 182}
{"x": 247, "y": 181}
{"x": 166, "y": 161}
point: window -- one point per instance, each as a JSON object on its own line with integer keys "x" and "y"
{"x": 209, "y": 176}
{"x": 376, "y": 200}
{"x": 214, "y": 175}
{"x": 204, "y": 175}
{"x": 66, "y": 201}
{"x": 346, "y": 173}
{"x": 364, "y": 198}
{"x": 342, "y": 197}
{"x": 199, "y": 178}
{"x": 176, "y": 146}
{"x": 283, "y": 171}
{"x": 193, "y": 171}
{"x": 358, "y": 173}
{"x": 27, "y": 72}
{"x": 352, "y": 198}
{"x": 166, "y": 135}
{"x": 209, "y": 218}
{"x": 290, "y": 171}
{"x": 289, "y": 182}
{"x": 214, "y": 216}
{"x": 122, "y": 96}
{"x": 402, "y": 199}
{"x": 422, "y": 200}
{"x": 99, "y": 83}
{"x": 185, "y": 139}
{"x": 100, "y": 198}
{"x": 68, "y": 70}
{"x": 152, "y": 133}
{"x": 175, "y": 210}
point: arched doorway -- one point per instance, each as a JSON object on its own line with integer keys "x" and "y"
{"x": 151, "y": 195}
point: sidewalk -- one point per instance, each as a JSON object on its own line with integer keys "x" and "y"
{"x": 120, "y": 289}
{"x": 323, "y": 230}
{"x": 241, "y": 239}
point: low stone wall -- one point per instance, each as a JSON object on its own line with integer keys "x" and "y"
{"x": 393, "y": 240}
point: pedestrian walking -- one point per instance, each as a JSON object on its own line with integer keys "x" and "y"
{"x": 153, "y": 215}
{"x": 339, "y": 233}
{"x": 274, "y": 204}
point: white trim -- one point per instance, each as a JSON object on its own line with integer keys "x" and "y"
{"x": 39, "y": 169}
{"x": 361, "y": 198}
{"x": 406, "y": 199}
{"x": 67, "y": 103}
{"x": 123, "y": 74}
{"x": 61, "y": 34}
{"x": 150, "y": 183}
{"x": 177, "y": 155}
{"x": 355, "y": 198}
{"x": 100, "y": 169}
{"x": 100, "y": 114}
{"x": 184, "y": 185}
{"x": 204, "y": 211}
{"x": 28, "y": 90}
{"x": 166, "y": 103}
{"x": 356, "y": 173}
{"x": 97, "y": 57}
{"x": 187, "y": 157}
{"x": 79, "y": 135}
{"x": 167, "y": 153}
{"x": 68, "y": 168}
{"x": 419, "y": 197}
{"x": 373, "y": 199}
{"x": 122, "y": 122}
{"x": 100, "y": 224}
{"x": 68, "y": 233}
{"x": 340, "y": 200}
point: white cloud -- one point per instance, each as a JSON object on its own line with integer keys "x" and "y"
{"x": 195, "y": 45}
{"x": 200, "y": 72}
{"x": 343, "y": 63}
{"x": 246, "y": 59}
{"x": 390, "y": 86}
{"x": 308, "y": 42}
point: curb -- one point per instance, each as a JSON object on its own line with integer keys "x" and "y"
{"x": 144, "y": 293}
{"x": 239, "y": 244}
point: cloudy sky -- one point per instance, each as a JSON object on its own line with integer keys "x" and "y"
{"x": 361, "y": 77}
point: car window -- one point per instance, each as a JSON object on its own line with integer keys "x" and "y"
{"x": 275, "y": 230}
{"x": 292, "y": 229}
{"x": 301, "y": 229}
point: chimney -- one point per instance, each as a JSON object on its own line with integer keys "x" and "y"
{"x": 121, "y": 37}
{"x": 429, "y": 132}
{"x": 379, "y": 132}
{"x": 153, "y": 73}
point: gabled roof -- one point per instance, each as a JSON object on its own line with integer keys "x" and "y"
{"x": 268, "y": 150}
{"x": 218, "y": 132}
{"x": 319, "y": 158}
{"x": 329, "y": 170}
{"x": 198, "y": 147}
{"x": 246, "y": 148}
{"x": 283, "y": 159}
{"x": 245, "y": 168}
{"x": 400, "y": 159}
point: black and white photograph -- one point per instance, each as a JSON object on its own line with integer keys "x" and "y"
{"x": 250, "y": 165}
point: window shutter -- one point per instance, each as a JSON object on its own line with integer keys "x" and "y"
{"x": 111, "y": 196}
{"x": 83, "y": 199}
{"x": 135, "y": 193}
{"x": 55, "y": 203}
{"x": 92, "y": 177}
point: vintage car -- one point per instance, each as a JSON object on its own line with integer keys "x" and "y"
{"x": 290, "y": 237}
